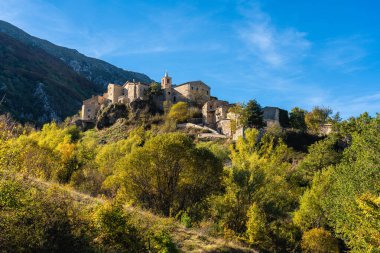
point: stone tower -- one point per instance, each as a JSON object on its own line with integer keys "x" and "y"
{"x": 166, "y": 85}
{"x": 166, "y": 81}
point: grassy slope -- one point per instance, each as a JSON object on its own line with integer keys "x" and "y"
{"x": 187, "y": 240}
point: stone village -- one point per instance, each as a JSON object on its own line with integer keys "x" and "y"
{"x": 216, "y": 116}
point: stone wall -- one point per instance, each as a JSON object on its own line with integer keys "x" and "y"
{"x": 90, "y": 107}
{"x": 196, "y": 91}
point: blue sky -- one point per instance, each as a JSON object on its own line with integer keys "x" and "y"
{"x": 281, "y": 53}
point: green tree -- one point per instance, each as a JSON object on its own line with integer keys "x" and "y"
{"x": 154, "y": 90}
{"x": 317, "y": 118}
{"x": 169, "y": 173}
{"x": 349, "y": 191}
{"x": 179, "y": 112}
{"x": 297, "y": 119}
{"x": 36, "y": 221}
{"x": 320, "y": 155}
{"x": 257, "y": 230}
{"x": 252, "y": 115}
{"x": 116, "y": 233}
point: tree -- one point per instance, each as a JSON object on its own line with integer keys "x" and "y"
{"x": 169, "y": 173}
{"x": 257, "y": 231}
{"x": 317, "y": 118}
{"x": 320, "y": 155}
{"x": 297, "y": 119}
{"x": 116, "y": 232}
{"x": 342, "y": 194}
{"x": 154, "y": 90}
{"x": 179, "y": 112}
{"x": 252, "y": 115}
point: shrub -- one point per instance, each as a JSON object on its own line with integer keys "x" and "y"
{"x": 318, "y": 240}
{"x": 179, "y": 112}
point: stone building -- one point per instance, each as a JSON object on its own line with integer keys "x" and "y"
{"x": 91, "y": 106}
{"x": 275, "y": 116}
{"x": 216, "y": 115}
{"x": 196, "y": 92}
{"x": 213, "y": 111}
{"x": 191, "y": 92}
{"x": 125, "y": 94}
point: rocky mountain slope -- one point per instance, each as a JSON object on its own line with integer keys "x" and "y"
{"x": 40, "y": 81}
{"x": 37, "y": 87}
{"x": 95, "y": 70}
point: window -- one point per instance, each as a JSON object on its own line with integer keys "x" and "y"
{"x": 207, "y": 92}
{"x": 88, "y": 110}
{"x": 169, "y": 93}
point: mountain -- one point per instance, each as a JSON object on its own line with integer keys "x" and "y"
{"x": 40, "y": 81}
{"x": 95, "y": 70}
{"x": 37, "y": 87}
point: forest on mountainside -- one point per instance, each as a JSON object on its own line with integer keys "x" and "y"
{"x": 260, "y": 192}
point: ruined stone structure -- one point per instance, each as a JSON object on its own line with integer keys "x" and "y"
{"x": 275, "y": 116}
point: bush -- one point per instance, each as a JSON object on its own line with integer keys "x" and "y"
{"x": 116, "y": 232}
{"x": 179, "y": 112}
{"x": 318, "y": 240}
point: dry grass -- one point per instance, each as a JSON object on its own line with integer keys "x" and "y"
{"x": 187, "y": 240}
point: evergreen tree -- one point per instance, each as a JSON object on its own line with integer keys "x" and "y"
{"x": 297, "y": 119}
{"x": 253, "y": 115}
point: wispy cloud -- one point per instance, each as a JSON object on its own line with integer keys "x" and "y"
{"x": 270, "y": 44}
{"x": 344, "y": 54}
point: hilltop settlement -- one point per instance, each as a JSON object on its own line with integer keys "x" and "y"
{"x": 216, "y": 115}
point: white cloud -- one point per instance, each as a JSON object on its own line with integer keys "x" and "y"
{"x": 270, "y": 44}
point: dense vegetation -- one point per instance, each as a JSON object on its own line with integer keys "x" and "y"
{"x": 258, "y": 190}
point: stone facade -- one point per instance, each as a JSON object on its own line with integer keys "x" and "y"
{"x": 91, "y": 106}
{"x": 196, "y": 92}
{"x": 193, "y": 92}
{"x": 214, "y": 111}
{"x": 275, "y": 116}
{"x": 125, "y": 94}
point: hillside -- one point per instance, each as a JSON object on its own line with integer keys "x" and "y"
{"x": 36, "y": 86}
{"x": 146, "y": 185}
{"x": 41, "y": 82}
{"x": 186, "y": 239}
{"x": 97, "y": 71}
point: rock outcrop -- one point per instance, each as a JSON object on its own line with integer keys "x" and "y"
{"x": 110, "y": 114}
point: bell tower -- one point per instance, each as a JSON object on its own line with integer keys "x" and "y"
{"x": 166, "y": 81}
